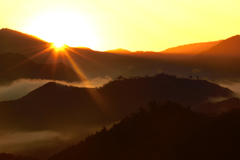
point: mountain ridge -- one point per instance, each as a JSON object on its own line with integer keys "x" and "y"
{"x": 193, "y": 48}
{"x": 229, "y": 47}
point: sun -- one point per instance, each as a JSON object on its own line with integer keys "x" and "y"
{"x": 59, "y": 48}
{"x": 63, "y": 27}
{"x": 58, "y": 45}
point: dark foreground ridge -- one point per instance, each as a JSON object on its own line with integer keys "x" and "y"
{"x": 8, "y": 156}
{"x": 162, "y": 131}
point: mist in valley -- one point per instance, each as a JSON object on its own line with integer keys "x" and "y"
{"x": 232, "y": 85}
{"x": 21, "y": 87}
{"x": 42, "y": 143}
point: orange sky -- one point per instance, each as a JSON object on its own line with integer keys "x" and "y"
{"x": 130, "y": 24}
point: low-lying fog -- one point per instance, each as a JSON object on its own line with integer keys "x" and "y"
{"x": 21, "y": 87}
{"x": 234, "y": 86}
{"x": 43, "y": 143}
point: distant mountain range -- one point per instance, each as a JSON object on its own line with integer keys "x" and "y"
{"x": 204, "y": 61}
{"x": 194, "y": 48}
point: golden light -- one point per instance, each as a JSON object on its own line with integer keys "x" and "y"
{"x": 58, "y": 45}
{"x": 63, "y": 27}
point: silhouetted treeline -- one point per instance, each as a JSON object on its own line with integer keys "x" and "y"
{"x": 163, "y": 131}
{"x": 138, "y": 91}
{"x": 9, "y": 156}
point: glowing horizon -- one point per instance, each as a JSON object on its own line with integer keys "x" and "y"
{"x": 132, "y": 25}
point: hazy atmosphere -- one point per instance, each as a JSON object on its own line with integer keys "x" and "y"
{"x": 114, "y": 80}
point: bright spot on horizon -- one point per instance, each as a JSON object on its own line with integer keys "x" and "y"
{"x": 59, "y": 48}
{"x": 58, "y": 45}
{"x": 63, "y": 28}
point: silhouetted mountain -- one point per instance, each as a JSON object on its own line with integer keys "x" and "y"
{"x": 14, "y": 41}
{"x": 165, "y": 131}
{"x": 219, "y": 107}
{"x": 193, "y": 48}
{"x": 8, "y": 156}
{"x": 54, "y": 104}
{"x": 15, "y": 66}
{"x": 162, "y": 87}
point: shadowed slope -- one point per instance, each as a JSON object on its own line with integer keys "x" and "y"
{"x": 165, "y": 131}
{"x": 14, "y": 66}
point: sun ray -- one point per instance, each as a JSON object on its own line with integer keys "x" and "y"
{"x": 100, "y": 64}
{"x": 75, "y": 67}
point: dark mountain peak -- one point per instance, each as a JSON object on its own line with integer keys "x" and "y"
{"x": 54, "y": 87}
{"x": 51, "y": 85}
{"x": 50, "y": 90}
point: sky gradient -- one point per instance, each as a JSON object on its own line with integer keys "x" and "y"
{"x": 148, "y": 25}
